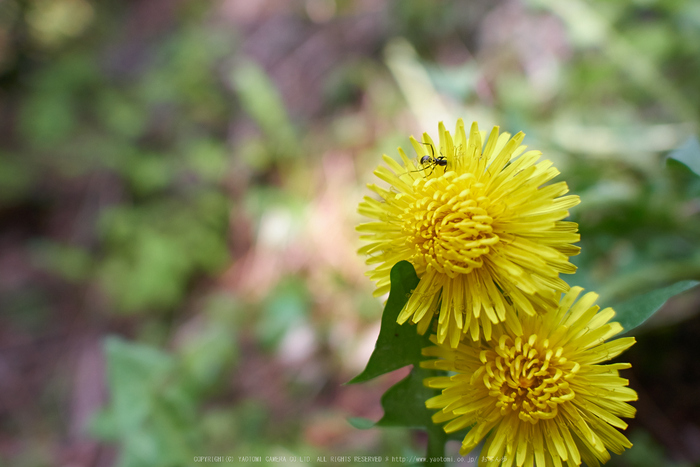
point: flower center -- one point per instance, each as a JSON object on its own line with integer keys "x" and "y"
{"x": 527, "y": 377}
{"x": 450, "y": 228}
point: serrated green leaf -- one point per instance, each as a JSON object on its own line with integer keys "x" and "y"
{"x": 404, "y": 402}
{"x": 633, "y": 312}
{"x": 397, "y": 345}
{"x": 404, "y": 405}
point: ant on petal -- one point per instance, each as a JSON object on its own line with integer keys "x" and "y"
{"x": 431, "y": 161}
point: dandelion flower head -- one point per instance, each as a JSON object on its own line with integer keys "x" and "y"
{"x": 543, "y": 396}
{"x": 480, "y": 227}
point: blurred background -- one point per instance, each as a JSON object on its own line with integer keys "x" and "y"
{"x": 178, "y": 193}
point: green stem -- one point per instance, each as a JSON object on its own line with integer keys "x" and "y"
{"x": 436, "y": 447}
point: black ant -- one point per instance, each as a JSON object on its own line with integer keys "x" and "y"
{"x": 431, "y": 160}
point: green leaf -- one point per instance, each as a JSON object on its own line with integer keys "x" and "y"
{"x": 404, "y": 403}
{"x": 633, "y": 312}
{"x": 688, "y": 154}
{"x": 397, "y": 345}
{"x": 361, "y": 423}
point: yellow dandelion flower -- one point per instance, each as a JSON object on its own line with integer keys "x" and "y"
{"x": 482, "y": 231}
{"x": 543, "y": 395}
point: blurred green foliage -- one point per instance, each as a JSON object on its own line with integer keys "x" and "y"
{"x": 260, "y": 100}
{"x": 150, "y": 413}
{"x": 154, "y": 404}
{"x": 160, "y": 134}
{"x": 285, "y": 308}
{"x": 152, "y": 252}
